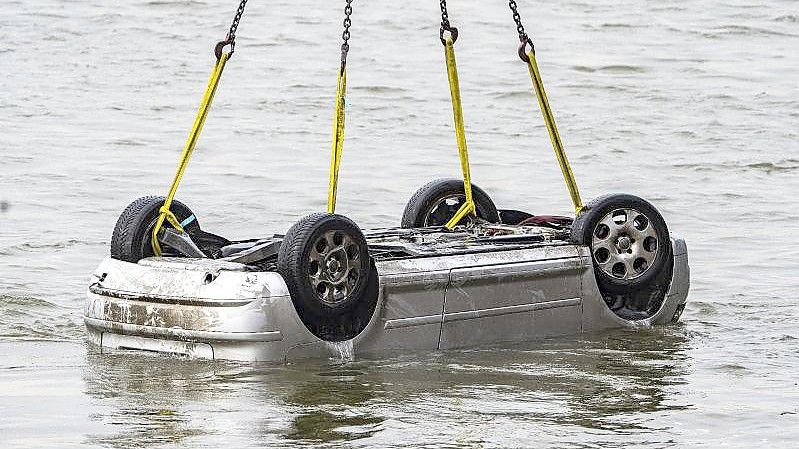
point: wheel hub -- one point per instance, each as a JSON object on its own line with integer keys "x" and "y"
{"x": 623, "y": 243}
{"x": 334, "y": 267}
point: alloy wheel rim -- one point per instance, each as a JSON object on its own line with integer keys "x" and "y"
{"x": 625, "y": 244}
{"x": 334, "y": 264}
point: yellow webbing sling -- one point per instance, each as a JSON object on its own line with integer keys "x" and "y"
{"x": 457, "y": 111}
{"x": 338, "y": 138}
{"x": 549, "y": 119}
{"x": 340, "y": 110}
{"x": 191, "y": 142}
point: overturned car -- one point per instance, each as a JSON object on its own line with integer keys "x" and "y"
{"x": 503, "y": 276}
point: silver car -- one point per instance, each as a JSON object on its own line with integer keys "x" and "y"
{"x": 326, "y": 287}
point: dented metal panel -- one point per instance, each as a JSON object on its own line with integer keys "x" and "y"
{"x": 201, "y": 280}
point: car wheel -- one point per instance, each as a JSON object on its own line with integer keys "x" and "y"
{"x": 131, "y": 242}
{"x": 435, "y": 203}
{"x": 332, "y": 280}
{"x": 629, "y": 242}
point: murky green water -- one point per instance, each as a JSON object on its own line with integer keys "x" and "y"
{"x": 690, "y": 104}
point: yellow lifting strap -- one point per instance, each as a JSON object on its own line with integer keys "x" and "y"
{"x": 338, "y": 138}
{"x": 549, "y": 119}
{"x": 191, "y": 142}
{"x": 457, "y": 111}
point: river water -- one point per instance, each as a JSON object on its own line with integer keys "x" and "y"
{"x": 693, "y": 105}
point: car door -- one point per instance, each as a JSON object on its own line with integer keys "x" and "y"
{"x": 513, "y": 297}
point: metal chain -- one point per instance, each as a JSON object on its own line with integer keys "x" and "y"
{"x": 444, "y": 16}
{"x": 445, "y": 25}
{"x": 518, "y": 19}
{"x": 523, "y": 37}
{"x": 345, "y": 35}
{"x": 231, "y": 34}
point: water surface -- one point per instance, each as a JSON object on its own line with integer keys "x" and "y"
{"x": 692, "y": 105}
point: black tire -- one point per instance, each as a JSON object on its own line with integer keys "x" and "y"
{"x": 609, "y": 248}
{"x": 425, "y": 208}
{"x": 130, "y": 241}
{"x": 332, "y": 280}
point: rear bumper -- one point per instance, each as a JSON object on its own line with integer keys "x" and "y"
{"x": 196, "y": 308}
{"x": 247, "y": 332}
{"x": 99, "y": 325}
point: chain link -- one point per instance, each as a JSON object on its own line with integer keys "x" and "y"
{"x": 345, "y": 35}
{"x": 231, "y": 34}
{"x": 518, "y": 19}
{"x": 444, "y": 16}
{"x": 524, "y": 39}
{"x": 445, "y": 25}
